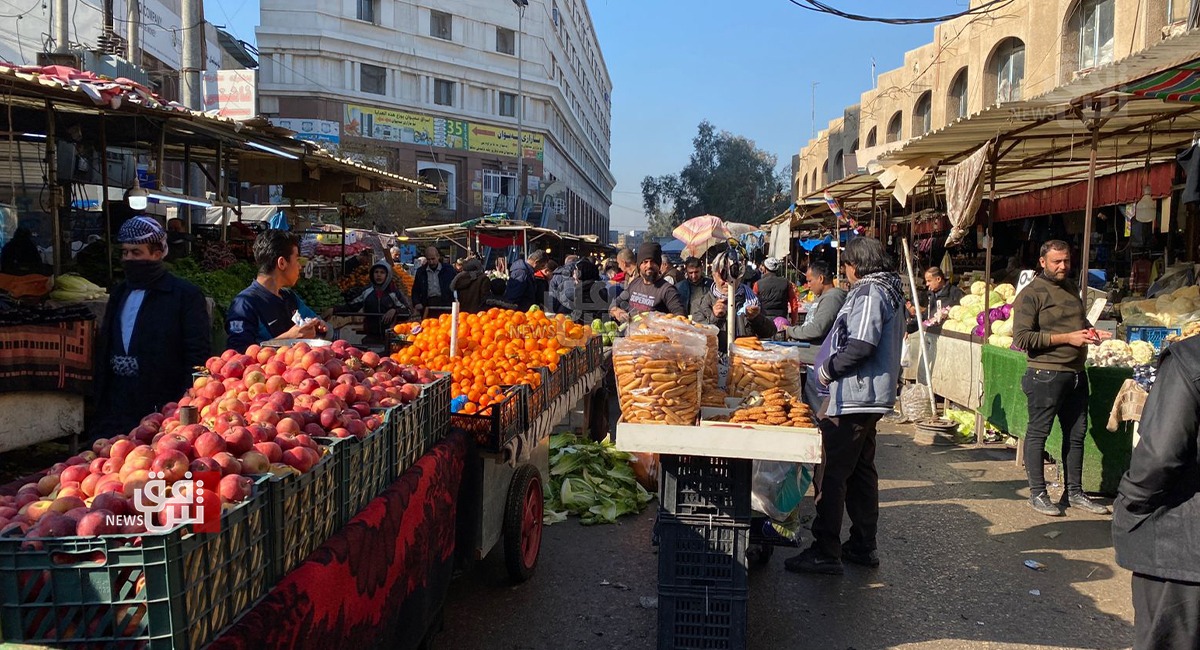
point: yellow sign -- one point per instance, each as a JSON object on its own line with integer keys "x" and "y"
{"x": 416, "y": 128}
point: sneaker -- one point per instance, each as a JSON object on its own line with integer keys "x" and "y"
{"x": 867, "y": 559}
{"x": 1042, "y": 504}
{"x": 813, "y": 561}
{"x": 1083, "y": 502}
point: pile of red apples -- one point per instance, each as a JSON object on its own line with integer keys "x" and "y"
{"x": 259, "y": 412}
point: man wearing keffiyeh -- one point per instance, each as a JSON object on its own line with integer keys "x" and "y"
{"x": 156, "y": 329}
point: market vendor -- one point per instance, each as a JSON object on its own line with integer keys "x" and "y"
{"x": 155, "y": 332}
{"x": 431, "y": 284}
{"x": 1050, "y": 324}
{"x": 714, "y": 306}
{"x": 647, "y": 292}
{"x": 382, "y": 302}
{"x": 522, "y": 286}
{"x": 828, "y": 300}
{"x": 267, "y": 309}
{"x": 939, "y": 294}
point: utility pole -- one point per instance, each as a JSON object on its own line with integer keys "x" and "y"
{"x": 521, "y": 4}
{"x": 190, "y": 92}
{"x": 133, "y": 31}
{"x": 60, "y": 28}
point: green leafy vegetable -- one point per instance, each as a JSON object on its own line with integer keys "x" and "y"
{"x": 592, "y": 480}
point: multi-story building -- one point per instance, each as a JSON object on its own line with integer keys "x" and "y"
{"x": 431, "y": 89}
{"x": 1024, "y": 49}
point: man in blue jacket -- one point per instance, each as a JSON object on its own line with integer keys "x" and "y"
{"x": 156, "y": 330}
{"x": 522, "y": 285}
{"x": 267, "y": 309}
{"x": 860, "y": 364}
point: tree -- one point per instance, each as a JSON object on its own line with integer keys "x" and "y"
{"x": 727, "y": 175}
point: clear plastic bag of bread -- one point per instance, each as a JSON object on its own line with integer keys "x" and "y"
{"x": 712, "y": 395}
{"x": 757, "y": 368}
{"x": 659, "y": 376}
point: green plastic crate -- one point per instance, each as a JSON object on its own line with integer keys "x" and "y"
{"x": 172, "y": 590}
{"x": 304, "y": 511}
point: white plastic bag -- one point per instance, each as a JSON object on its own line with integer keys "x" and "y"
{"x": 776, "y": 490}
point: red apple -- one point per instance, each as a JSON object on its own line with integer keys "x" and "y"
{"x": 238, "y": 440}
{"x": 209, "y": 444}
{"x": 47, "y": 484}
{"x": 112, "y": 502}
{"x": 228, "y": 462}
{"x": 305, "y": 440}
{"x": 101, "y": 447}
{"x": 64, "y": 505}
{"x": 89, "y": 484}
{"x": 172, "y": 464}
{"x": 74, "y": 474}
{"x": 314, "y": 430}
{"x": 330, "y": 418}
{"x": 409, "y": 393}
{"x": 235, "y": 488}
{"x": 370, "y": 358}
{"x": 191, "y": 431}
{"x": 286, "y": 440}
{"x": 176, "y": 442}
{"x": 299, "y": 458}
{"x": 204, "y": 465}
{"x": 287, "y": 426}
{"x": 96, "y": 523}
{"x": 135, "y": 481}
{"x": 341, "y": 432}
{"x": 72, "y": 490}
{"x": 110, "y": 483}
{"x": 255, "y": 462}
{"x": 227, "y": 420}
{"x": 357, "y": 428}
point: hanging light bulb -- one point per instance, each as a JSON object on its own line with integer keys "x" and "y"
{"x": 137, "y": 197}
{"x": 1146, "y": 207}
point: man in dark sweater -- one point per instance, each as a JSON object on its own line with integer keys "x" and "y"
{"x": 694, "y": 285}
{"x": 772, "y": 290}
{"x": 1050, "y": 325}
{"x": 647, "y": 292}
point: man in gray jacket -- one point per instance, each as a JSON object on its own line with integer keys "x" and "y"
{"x": 860, "y": 364}
{"x": 822, "y": 312}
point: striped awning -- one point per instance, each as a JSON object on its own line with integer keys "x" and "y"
{"x": 1181, "y": 84}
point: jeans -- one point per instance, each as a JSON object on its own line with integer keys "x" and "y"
{"x": 1055, "y": 394}
{"x": 1166, "y": 613}
{"x": 848, "y": 483}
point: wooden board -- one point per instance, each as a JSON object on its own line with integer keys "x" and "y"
{"x": 722, "y": 440}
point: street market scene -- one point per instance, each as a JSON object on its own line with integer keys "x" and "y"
{"x": 334, "y": 327}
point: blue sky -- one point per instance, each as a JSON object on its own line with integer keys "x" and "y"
{"x": 747, "y": 67}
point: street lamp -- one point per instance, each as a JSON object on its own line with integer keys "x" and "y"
{"x": 521, "y": 5}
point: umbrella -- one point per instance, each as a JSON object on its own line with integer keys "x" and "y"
{"x": 739, "y": 229}
{"x": 699, "y": 234}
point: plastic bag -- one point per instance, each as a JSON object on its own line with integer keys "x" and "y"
{"x": 777, "y": 489}
{"x": 659, "y": 377}
{"x": 754, "y": 371}
{"x": 713, "y": 394}
{"x": 914, "y": 403}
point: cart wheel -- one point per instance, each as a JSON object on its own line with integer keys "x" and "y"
{"x": 598, "y": 422}
{"x": 523, "y": 523}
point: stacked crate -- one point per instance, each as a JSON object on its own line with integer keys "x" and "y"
{"x": 703, "y": 531}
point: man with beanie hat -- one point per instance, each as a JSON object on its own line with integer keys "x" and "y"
{"x": 156, "y": 329}
{"x": 648, "y": 291}
{"x": 472, "y": 286}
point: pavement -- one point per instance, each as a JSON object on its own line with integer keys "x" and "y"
{"x": 955, "y": 532}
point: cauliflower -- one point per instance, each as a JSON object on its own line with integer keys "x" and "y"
{"x": 1142, "y": 352}
{"x": 1007, "y": 290}
{"x": 1110, "y": 353}
{"x": 977, "y": 288}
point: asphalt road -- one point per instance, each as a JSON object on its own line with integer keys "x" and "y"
{"x": 955, "y": 532}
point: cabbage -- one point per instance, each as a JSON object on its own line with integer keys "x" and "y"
{"x": 1004, "y": 327}
{"x": 1000, "y": 341}
{"x": 1007, "y": 311}
{"x": 956, "y": 312}
{"x": 972, "y": 301}
{"x": 995, "y": 299}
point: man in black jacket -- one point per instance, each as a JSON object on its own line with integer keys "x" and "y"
{"x": 694, "y": 285}
{"x": 431, "y": 285}
{"x": 772, "y": 290}
{"x": 156, "y": 329}
{"x": 1156, "y": 519}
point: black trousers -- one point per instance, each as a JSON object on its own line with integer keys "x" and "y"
{"x": 1062, "y": 395}
{"x": 849, "y": 483}
{"x": 1166, "y": 613}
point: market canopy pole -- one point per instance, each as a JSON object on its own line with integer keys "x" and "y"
{"x": 1094, "y": 127}
{"x": 104, "y": 200}
{"x": 52, "y": 183}
{"x": 912, "y": 283}
{"x": 993, "y": 162}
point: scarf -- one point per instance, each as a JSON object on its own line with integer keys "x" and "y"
{"x": 743, "y": 295}
{"x": 887, "y": 282}
{"x": 142, "y": 274}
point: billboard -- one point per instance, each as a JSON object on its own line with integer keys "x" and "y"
{"x": 418, "y": 128}
{"x": 232, "y": 93}
{"x": 326, "y": 133}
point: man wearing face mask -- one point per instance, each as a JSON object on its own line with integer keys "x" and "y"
{"x": 156, "y": 329}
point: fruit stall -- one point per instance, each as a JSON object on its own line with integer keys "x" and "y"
{"x": 342, "y": 488}
{"x": 725, "y": 454}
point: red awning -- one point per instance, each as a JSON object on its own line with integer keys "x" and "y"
{"x": 1115, "y": 189}
{"x": 500, "y": 241}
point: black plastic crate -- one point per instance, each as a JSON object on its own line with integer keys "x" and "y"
{"x": 507, "y": 419}
{"x": 172, "y": 590}
{"x": 305, "y": 511}
{"x": 702, "y": 619}
{"x": 554, "y": 382}
{"x": 595, "y": 353}
{"x": 410, "y": 434}
{"x": 536, "y": 397}
{"x": 365, "y": 469}
{"x": 703, "y": 486}
{"x": 693, "y": 553}
{"x": 575, "y": 361}
{"x": 435, "y": 407}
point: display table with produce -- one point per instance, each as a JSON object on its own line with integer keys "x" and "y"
{"x": 1106, "y": 454}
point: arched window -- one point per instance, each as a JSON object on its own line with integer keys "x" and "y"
{"x": 1007, "y": 68}
{"x": 923, "y": 115}
{"x": 956, "y": 104}
{"x": 824, "y": 175}
{"x": 895, "y": 127}
{"x": 872, "y": 139}
{"x": 804, "y": 184}
{"x": 854, "y": 146}
{"x": 1088, "y": 37}
{"x": 839, "y": 165}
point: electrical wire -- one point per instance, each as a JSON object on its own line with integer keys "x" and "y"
{"x": 817, "y": 6}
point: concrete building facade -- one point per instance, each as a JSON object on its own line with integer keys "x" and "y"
{"x": 1023, "y": 50}
{"x": 430, "y": 89}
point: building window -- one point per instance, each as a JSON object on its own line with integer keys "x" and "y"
{"x": 372, "y": 79}
{"x": 506, "y": 41}
{"x": 923, "y": 115}
{"x": 825, "y": 173}
{"x": 443, "y": 92}
{"x": 499, "y": 191}
{"x": 956, "y": 106}
{"x": 441, "y": 25}
{"x": 1007, "y": 67}
{"x": 872, "y": 138}
{"x": 895, "y": 128}
{"x": 839, "y": 166}
{"x": 1095, "y": 23}
{"x": 368, "y": 10}
{"x": 508, "y": 105}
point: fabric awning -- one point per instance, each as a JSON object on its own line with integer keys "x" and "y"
{"x": 1180, "y": 84}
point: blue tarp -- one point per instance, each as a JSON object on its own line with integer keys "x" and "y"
{"x": 279, "y": 221}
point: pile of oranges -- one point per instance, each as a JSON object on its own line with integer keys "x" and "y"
{"x": 496, "y": 348}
